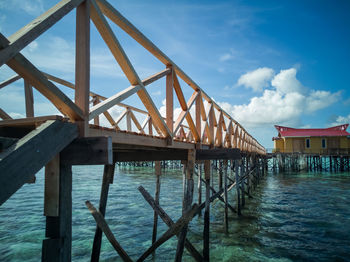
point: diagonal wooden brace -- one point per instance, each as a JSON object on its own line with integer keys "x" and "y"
{"x": 168, "y": 221}
{"x": 175, "y": 229}
{"x": 101, "y": 222}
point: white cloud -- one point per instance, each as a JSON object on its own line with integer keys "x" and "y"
{"x": 286, "y": 82}
{"x": 318, "y": 99}
{"x": 257, "y": 79}
{"x": 283, "y": 104}
{"x": 226, "y": 57}
{"x": 340, "y": 120}
{"x": 31, "y": 7}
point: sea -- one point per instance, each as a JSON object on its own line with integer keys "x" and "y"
{"x": 290, "y": 217}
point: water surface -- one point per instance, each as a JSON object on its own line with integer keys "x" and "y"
{"x": 292, "y": 217}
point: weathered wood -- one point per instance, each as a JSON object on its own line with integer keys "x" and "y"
{"x": 242, "y": 183}
{"x": 206, "y": 236}
{"x": 187, "y": 200}
{"x": 199, "y": 187}
{"x": 31, "y": 31}
{"x": 112, "y": 101}
{"x": 51, "y": 192}
{"x": 158, "y": 172}
{"x": 89, "y": 151}
{"x": 218, "y": 153}
{"x": 135, "y": 139}
{"x": 173, "y": 230}
{"x": 29, "y": 72}
{"x": 102, "y": 224}
{"x": 225, "y": 196}
{"x": 9, "y": 81}
{"x": 58, "y": 246}
{"x": 82, "y": 63}
{"x": 169, "y": 105}
{"x": 107, "y": 179}
{"x": 237, "y": 187}
{"x": 29, "y": 100}
{"x": 168, "y": 221}
{"x": 26, "y": 157}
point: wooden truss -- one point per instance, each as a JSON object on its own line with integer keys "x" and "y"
{"x": 202, "y": 123}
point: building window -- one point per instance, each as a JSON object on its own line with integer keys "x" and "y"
{"x": 307, "y": 142}
{"x": 324, "y": 145}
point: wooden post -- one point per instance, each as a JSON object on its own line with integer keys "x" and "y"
{"x": 58, "y": 243}
{"x": 199, "y": 187}
{"x": 170, "y": 101}
{"x": 242, "y": 182}
{"x": 198, "y": 115}
{"x": 187, "y": 200}
{"x": 108, "y": 174}
{"x": 237, "y": 187}
{"x": 225, "y": 196}
{"x": 220, "y": 174}
{"x": 82, "y": 63}
{"x": 97, "y": 118}
{"x": 28, "y": 93}
{"x": 128, "y": 120}
{"x": 158, "y": 172}
{"x": 206, "y": 235}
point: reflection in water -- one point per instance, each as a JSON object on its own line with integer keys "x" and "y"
{"x": 291, "y": 217}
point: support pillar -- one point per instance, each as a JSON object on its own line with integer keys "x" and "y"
{"x": 58, "y": 243}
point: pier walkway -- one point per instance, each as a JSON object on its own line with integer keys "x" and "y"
{"x": 202, "y": 132}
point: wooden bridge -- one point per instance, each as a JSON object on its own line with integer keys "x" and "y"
{"x": 202, "y": 132}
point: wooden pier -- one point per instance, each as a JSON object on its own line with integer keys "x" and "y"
{"x": 309, "y": 162}
{"x": 202, "y": 138}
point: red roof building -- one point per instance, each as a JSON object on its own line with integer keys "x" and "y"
{"x": 312, "y": 140}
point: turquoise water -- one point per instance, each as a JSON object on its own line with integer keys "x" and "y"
{"x": 292, "y": 217}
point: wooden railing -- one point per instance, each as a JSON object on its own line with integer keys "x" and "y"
{"x": 201, "y": 121}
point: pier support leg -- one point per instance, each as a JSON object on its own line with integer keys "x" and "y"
{"x": 242, "y": 183}
{"x": 199, "y": 187}
{"x": 225, "y": 195}
{"x": 187, "y": 200}
{"x": 58, "y": 243}
{"x": 207, "y": 169}
{"x": 156, "y": 199}
{"x": 237, "y": 188}
{"x": 108, "y": 174}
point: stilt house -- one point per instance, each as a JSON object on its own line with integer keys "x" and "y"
{"x": 332, "y": 140}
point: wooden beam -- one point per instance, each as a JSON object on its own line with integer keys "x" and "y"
{"x": 29, "y": 100}
{"x": 169, "y": 102}
{"x": 95, "y": 101}
{"x": 149, "y": 155}
{"x": 179, "y": 94}
{"x": 102, "y": 224}
{"x": 168, "y": 221}
{"x": 198, "y": 114}
{"x": 26, "y": 157}
{"x": 82, "y": 63}
{"x": 34, "y": 77}
{"x": 183, "y": 114}
{"x": 112, "y": 101}
{"x": 137, "y": 139}
{"x": 89, "y": 151}
{"x": 108, "y": 174}
{"x": 136, "y": 122}
{"x": 51, "y": 192}
{"x": 218, "y": 153}
{"x": 31, "y": 31}
{"x": 113, "y": 44}
{"x": 122, "y": 95}
{"x": 9, "y": 81}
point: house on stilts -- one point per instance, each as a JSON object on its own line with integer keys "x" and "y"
{"x": 319, "y": 148}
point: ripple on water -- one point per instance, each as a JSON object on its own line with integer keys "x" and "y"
{"x": 291, "y": 217}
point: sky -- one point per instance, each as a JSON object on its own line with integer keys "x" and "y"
{"x": 265, "y": 62}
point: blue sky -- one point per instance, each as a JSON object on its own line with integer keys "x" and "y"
{"x": 264, "y": 62}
